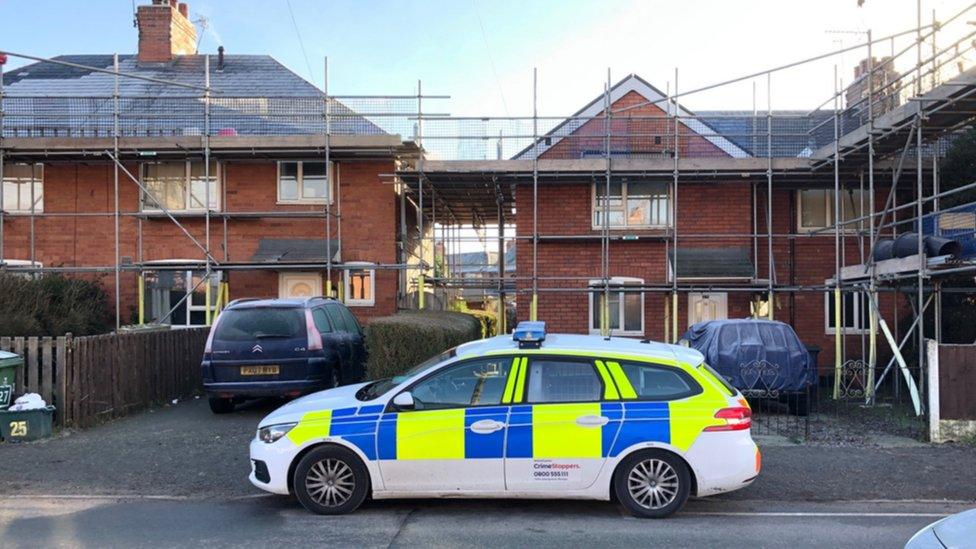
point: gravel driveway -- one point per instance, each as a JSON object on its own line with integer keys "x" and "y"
{"x": 184, "y": 450}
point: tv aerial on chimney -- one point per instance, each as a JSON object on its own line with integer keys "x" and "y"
{"x": 204, "y": 24}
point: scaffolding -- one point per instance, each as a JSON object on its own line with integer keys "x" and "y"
{"x": 459, "y": 178}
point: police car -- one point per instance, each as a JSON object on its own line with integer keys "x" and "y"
{"x": 527, "y": 416}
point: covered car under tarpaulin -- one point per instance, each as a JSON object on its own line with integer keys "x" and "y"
{"x": 754, "y": 355}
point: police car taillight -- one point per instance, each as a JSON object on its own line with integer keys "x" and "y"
{"x": 314, "y": 337}
{"x": 529, "y": 334}
{"x": 738, "y": 418}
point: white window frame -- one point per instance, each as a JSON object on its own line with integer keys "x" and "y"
{"x": 153, "y": 206}
{"x": 330, "y": 178}
{"x": 346, "y": 284}
{"x": 37, "y": 185}
{"x": 859, "y": 300}
{"x": 595, "y": 207}
{"x": 595, "y": 286}
{"x": 22, "y": 263}
{"x": 828, "y": 206}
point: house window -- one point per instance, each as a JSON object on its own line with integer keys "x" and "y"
{"x": 626, "y": 307}
{"x": 854, "y": 312}
{"x": 703, "y": 307}
{"x": 19, "y": 264}
{"x": 303, "y": 182}
{"x": 359, "y": 287}
{"x": 179, "y": 186}
{"x": 816, "y": 209}
{"x": 167, "y": 299}
{"x": 23, "y": 184}
{"x": 631, "y": 203}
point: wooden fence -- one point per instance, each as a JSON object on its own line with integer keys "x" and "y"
{"x": 93, "y": 378}
{"x": 952, "y": 386}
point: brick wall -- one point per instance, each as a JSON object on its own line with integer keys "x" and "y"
{"x": 704, "y": 208}
{"x": 640, "y": 129}
{"x": 367, "y": 208}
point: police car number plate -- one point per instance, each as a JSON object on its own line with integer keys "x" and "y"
{"x": 259, "y": 370}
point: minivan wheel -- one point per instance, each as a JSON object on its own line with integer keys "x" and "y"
{"x": 652, "y": 483}
{"x": 331, "y": 480}
{"x": 221, "y": 405}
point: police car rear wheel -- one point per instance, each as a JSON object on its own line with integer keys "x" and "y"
{"x": 652, "y": 484}
{"x": 330, "y": 481}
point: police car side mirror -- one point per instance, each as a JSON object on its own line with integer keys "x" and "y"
{"x": 403, "y": 401}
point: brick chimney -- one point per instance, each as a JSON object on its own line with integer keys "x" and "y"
{"x": 165, "y": 31}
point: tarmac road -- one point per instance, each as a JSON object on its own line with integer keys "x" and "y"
{"x": 176, "y": 476}
{"x": 272, "y": 520}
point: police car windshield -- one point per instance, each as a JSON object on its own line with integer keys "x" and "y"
{"x": 377, "y": 388}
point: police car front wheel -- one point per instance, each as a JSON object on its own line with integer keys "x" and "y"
{"x": 652, "y": 483}
{"x": 331, "y": 480}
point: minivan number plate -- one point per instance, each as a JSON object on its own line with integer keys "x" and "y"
{"x": 259, "y": 370}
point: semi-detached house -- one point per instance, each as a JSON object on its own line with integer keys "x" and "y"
{"x": 275, "y": 220}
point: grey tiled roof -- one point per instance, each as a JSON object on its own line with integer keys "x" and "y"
{"x": 252, "y": 95}
{"x": 714, "y": 263}
{"x": 294, "y": 250}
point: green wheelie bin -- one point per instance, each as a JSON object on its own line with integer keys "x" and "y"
{"x": 9, "y": 362}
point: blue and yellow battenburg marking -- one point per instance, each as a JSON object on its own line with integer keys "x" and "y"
{"x": 540, "y": 431}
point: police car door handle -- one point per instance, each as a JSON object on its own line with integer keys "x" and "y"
{"x": 592, "y": 421}
{"x": 486, "y": 426}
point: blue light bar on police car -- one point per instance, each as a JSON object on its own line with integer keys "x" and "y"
{"x": 530, "y": 334}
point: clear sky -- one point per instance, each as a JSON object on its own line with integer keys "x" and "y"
{"x": 482, "y": 52}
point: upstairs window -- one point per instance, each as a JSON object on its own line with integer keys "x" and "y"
{"x": 180, "y": 186}
{"x": 816, "y": 209}
{"x": 23, "y": 185}
{"x": 631, "y": 203}
{"x": 304, "y": 182}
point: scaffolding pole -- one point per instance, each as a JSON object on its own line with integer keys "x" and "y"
{"x": 208, "y": 314}
{"x": 605, "y": 241}
{"x": 115, "y": 178}
{"x": 328, "y": 179}
{"x": 838, "y": 302}
{"x": 872, "y": 238}
{"x": 771, "y": 304}
{"x": 534, "y": 305}
{"x": 674, "y": 212}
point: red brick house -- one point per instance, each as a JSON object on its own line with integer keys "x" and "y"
{"x": 722, "y": 269}
{"x": 275, "y": 225}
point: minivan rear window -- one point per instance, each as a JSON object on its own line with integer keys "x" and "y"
{"x": 260, "y": 323}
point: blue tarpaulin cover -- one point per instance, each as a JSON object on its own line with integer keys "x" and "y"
{"x": 753, "y": 354}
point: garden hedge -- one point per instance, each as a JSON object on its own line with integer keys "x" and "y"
{"x": 52, "y": 305}
{"x": 397, "y": 343}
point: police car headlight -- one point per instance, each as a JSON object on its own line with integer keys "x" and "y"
{"x": 272, "y": 433}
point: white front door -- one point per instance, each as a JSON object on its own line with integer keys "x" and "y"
{"x": 707, "y": 306}
{"x": 299, "y": 285}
